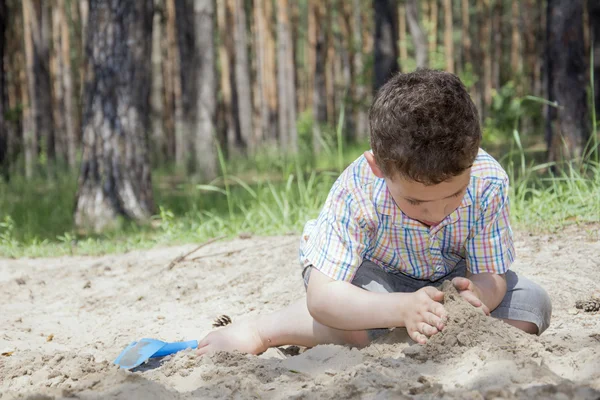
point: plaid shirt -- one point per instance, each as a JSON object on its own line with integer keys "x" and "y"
{"x": 360, "y": 220}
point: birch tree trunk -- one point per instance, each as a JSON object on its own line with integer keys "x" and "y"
{"x": 418, "y": 36}
{"x": 115, "y": 171}
{"x": 385, "y": 41}
{"x": 568, "y": 126}
{"x": 285, "y": 81}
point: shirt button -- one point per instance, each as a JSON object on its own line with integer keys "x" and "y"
{"x": 439, "y": 268}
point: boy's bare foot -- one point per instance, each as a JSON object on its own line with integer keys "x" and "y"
{"x": 242, "y": 335}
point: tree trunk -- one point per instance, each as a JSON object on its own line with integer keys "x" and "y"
{"x": 242, "y": 75}
{"x": 402, "y": 33}
{"x": 465, "y": 32}
{"x": 170, "y": 78}
{"x": 115, "y": 172}
{"x": 485, "y": 53}
{"x": 594, "y": 10}
{"x": 285, "y": 81}
{"x": 206, "y": 101}
{"x": 362, "y": 126}
{"x": 434, "y": 9}
{"x": 31, "y": 106}
{"x": 3, "y": 125}
{"x": 67, "y": 83}
{"x": 270, "y": 70}
{"x": 385, "y": 41}
{"x": 497, "y": 28}
{"x": 184, "y": 11}
{"x": 418, "y": 36}
{"x": 158, "y": 149}
{"x": 174, "y": 75}
{"x": 515, "y": 47}
{"x": 448, "y": 39}
{"x": 330, "y": 75}
{"x": 226, "y": 56}
{"x": 346, "y": 53}
{"x": 261, "y": 126}
{"x": 58, "y": 97}
{"x": 568, "y": 126}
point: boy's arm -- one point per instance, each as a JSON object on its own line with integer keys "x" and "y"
{"x": 490, "y": 252}
{"x": 342, "y": 305}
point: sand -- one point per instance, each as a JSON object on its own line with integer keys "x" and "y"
{"x": 64, "y": 320}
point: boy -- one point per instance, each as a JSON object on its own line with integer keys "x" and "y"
{"x": 424, "y": 206}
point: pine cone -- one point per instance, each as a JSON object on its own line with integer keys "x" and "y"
{"x": 221, "y": 320}
{"x": 591, "y": 305}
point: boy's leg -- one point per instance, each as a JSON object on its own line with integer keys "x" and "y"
{"x": 292, "y": 325}
{"x": 526, "y": 305}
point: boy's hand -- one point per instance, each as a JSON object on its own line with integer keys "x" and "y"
{"x": 466, "y": 288}
{"x": 427, "y": 315}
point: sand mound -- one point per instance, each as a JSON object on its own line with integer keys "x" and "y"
{"x": 468, "y": 327}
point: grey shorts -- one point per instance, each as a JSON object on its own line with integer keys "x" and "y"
{"x": 524, "y": 299}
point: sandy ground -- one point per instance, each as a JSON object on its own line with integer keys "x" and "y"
{"x": 64, "y": 320}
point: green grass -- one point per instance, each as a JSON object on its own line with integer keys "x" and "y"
{"x": 277, "y": 196}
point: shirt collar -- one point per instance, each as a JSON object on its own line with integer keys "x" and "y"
{"x": 385, "y": 204}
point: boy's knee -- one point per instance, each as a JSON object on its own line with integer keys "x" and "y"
{"x": 539, "y": 298}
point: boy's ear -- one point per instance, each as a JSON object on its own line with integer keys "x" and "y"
{"x": 374, "y": 167}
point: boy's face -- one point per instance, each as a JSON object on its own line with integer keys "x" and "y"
{"x": 427, "y": 204}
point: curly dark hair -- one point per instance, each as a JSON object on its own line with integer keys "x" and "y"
{"x": 424, "y": 127}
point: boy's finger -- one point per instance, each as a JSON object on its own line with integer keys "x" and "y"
{"x": 461, "y": 283}
{"x": 434, "y": 320}
{"x": 471, "y": 298}
{"x": 433, "y": 293}
{"x": 427, "y": 329}
{"x": 438, "y": 309}
{"x": 418, "y": 337}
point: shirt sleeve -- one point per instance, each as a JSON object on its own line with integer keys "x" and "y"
{"x": 336, "y": 242}
{"x": 490, "y": 245}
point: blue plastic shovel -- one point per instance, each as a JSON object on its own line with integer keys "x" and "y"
{"x": 139, "y": 352}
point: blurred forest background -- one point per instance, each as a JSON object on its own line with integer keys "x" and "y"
{"x": 207, "y": 117}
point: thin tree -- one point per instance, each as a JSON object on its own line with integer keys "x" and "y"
{"x": 416, "y": 32}
{"x": 515, "y": 46}
{"x": 39, "y": 124}
{"x": 448, "y": 39}
{"x": 242, "y": 74}
{"x": 206, "y": 102}
{"x": 285, "y": 80}
{"x": 402, "y": 32}
{"x": 226, "y": 78}
{"x": 434, "y": 20}
{"x": 68, "y": 88}
{"x": 319, "y": 29}
{"x": 3, "y": 124}
{"x": 465, "y": 32}
{"x": 567, "y": 129}
{"x": 159, "y": 145}
{"x": 497, "y": 29}
{"x": 362, "y": 127}
{"x": 385, "y": 41}
{"x": 594, "y": 10}
{"x": 115, "y": 172}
